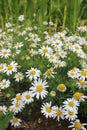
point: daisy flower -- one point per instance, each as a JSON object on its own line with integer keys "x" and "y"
{"x": 21, "y": 18}
{"x": 79, "y": 96}
{"x": 49, "y": 73}
{"x": 83, "y": 74}
{"x": 18, "y": 45}
{"x": 76, "y": 47}
{"x": 39, "y": 88}
{"x": 12, "y": 67}
{"x": 70, "y": 103}
{"x": 4, "y": 84}
{"x": 15, "y": 122}
{"x": 58, "y": 113}
{"x": 70, "y": 114}
{"x": 27, "y": 97}
{"x": 2, "y": 67}
{"x": 82, "y": 84}
{"x": 17, "y": 106}
{"x": 77, "y": 125}
{"x": 3, "y": 109}
{"x": 18, "y": 77}
{"x": 45, "y": 51}
{"x": 47, "y": 109}
{"x": 33, "y": 73}
{"x": 61, "y": 87}
{"x": 5, "y": 53}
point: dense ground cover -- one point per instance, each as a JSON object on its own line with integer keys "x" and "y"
{"x": 43, "y": 65}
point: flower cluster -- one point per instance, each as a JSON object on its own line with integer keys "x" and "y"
{"x": 52, "y": 70}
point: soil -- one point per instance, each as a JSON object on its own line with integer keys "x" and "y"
{"x": 36, "y": 121}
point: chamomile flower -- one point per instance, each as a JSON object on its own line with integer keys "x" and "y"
{"x": 45, "y": 51}
{"x": 76, "y": 47}
{"x": 58, "y": 113}
{"x": 18, "y": 77}
{"x": 18, "y": 45}
{"x": 74, "y": 73}
{"x": 81, "y": 84}
{"x": 5, "y": 53}
{"x": 33, "y": 73}
{"x": 15, "y": 122}
{"x": 47, "y": 109}
{"x": 83, "y": 74}
{"x": 59, "y": 64}
{"x": 2, "y": 67}
{"x": 4, "y": 84}
{"x": 12, "y": 67}
{"x": 21, "y": 18}
{"x": 3, "y": 109}
{"x": 70, "y": 103}
{"x": 39, "y": 88}
{"x": 70, "y": 114}
{"x": 49, "y": 73}
{"x": 27, "y": 97}
{"x": 77, "y": 125}
{"x": 79, "y": 96}
{"x": 61, "y": 87}
{"x": 17, "y": 106}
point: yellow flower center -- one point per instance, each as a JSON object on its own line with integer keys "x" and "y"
{"x": 52, "y": 57}
{"x": 4, "y": 52}
{"x": 18, "y": 97}
{"x": 48, "y": 72}
{"x": 15, "y": 120}
{"x": 1, "y": 67}
{"x": 78, "y": 125}
{"x": 83, "y": 73}
{"x": 76, "y": 47}
{"x": 71, "y": 104}
{"x": 82, "y": 82}
{"x": 72, "y": 73}
{"x": 4, "y": 83}
{"x": 48, "y": 109}
{"x": 61, "y": 87}
{"x": 32, "y": 72}
{"x": 17, "y": 44}
{"x": 17, "y": 104}
{"x": 27, "y": 96}
{"x": 59, "y": 112}
{"x": 10, "y": 67}
{"x": 45, "y": 50}
{"x": 58, "y": 64}
{"x": 78, "y": 95}
{"x": 70, "y": 113}
{"x": 19, "y": 76}
{"x": 2, "y": 110}
{"x": 39, "y": 88}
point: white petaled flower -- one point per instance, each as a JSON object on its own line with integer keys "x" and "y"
{"x": 15, "y": 122}
{"x": 62, "y": 54}
{"x": 4, "y": 84}
{"x": 18, "y": 45}
{"x": 79, "y": 96}
{"x": 76, "y": 48}
{"x": 70, "y": 114}
{"x": 52, "y": 58}
{"x": 83, "y": 74}
{"x": 71, "y": 103}
{"x": 3, "y": 109}
{"x": 81, "y": 84}
{"x": 18, "y": 97}
{"x": 27, "y": 97}
{"x": 49, "y": 73}
{"x": 21, "y": 18}
{"x": 39, "y": 88}
{"x": 61, "y": 87}
{"x": 5, "y": 53}
{"x": 33, "y": 73}
{"x": 45, "y": 51}
{"x": 58, "y": 113}
{"x": 17, "y": 106}
{"x": 47, "y": 109}
{"x": 74, "y": 73}
{"x": 18, "y": 77}
{"x": 59, "y": 63}
{"x": 12, "y": 67}
{"x": 2, "y": 67}
{"x": 77, "y": 125}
